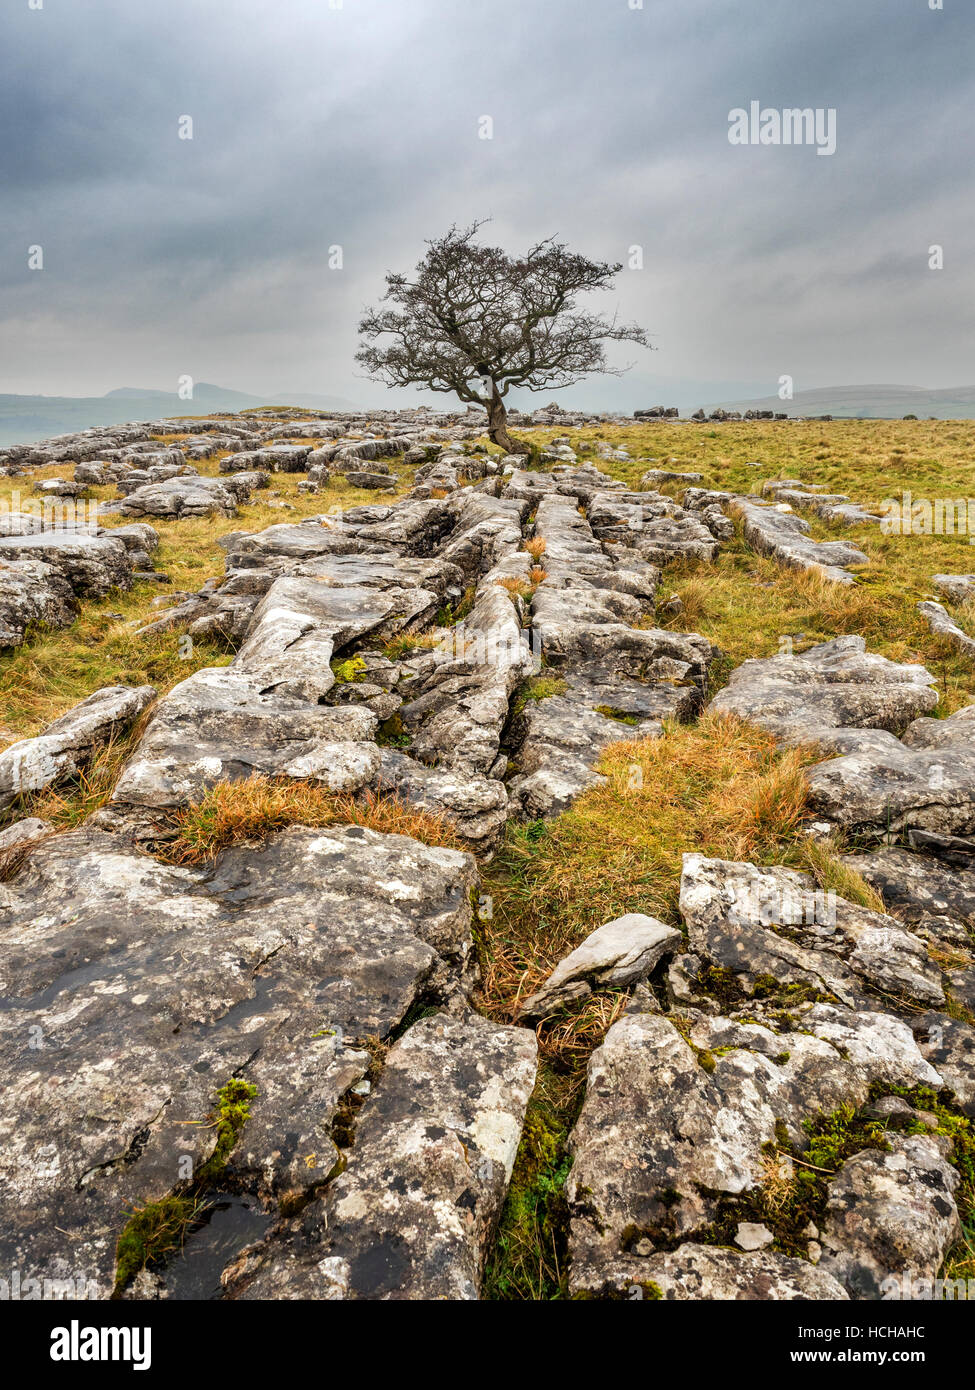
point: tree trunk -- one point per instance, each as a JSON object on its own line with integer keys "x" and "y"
{"x": 498, "y": 427}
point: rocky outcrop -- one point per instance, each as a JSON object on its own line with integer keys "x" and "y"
{"x": 91, "y": 564}
{"x": 890, "y": 1214}
{"x": 413, "y": 1212}
{"x": 291, "y": 1026}
{"x": 67, "y": 745}
{"x": 686, "y": 1119}
{"x": 222, "y": 724}
{"x": 44, "y": 570}
{"x": 32, "y": 592}
{"x": 761, "y": 925}
{"x": 925, "y": 781}
{"x": 786, "y": 537}
{"x": 831, "y": 506}
{"x": 618, "y": 680}
{"x": 188, "y": 495}
{"x": 838, "y": 685}
{"x": 124, "y": 1016}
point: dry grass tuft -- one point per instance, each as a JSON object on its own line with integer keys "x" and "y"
{"x": 253, "y": 809}
{"x": 719, "y": 787}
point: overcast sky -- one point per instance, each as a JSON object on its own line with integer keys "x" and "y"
{"x": 358, "y": 126}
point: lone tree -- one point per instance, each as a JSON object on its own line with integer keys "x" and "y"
{"x": 477, "y": 322}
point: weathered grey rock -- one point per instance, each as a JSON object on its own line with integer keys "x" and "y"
{"x": 949, "y": 1045}
{"x": 32, "y": 592}
{"x": 706, "y": 1273}
{"x": 413, "y": 1213}
{"x": 785, "y": 536}
{"x": 663, "y": 1138}
{"x": 299, "y": 624}
{"x": 559, "y": 738}
{"x": 958, "y": 588}
{"x": 774, "y": 924}
{"x": 458, "y": 713}
{"x": 371, "y": 481}
{"x": 942, "y": 625}
{"x": 617, "y": 954}
{"x": 279, "y": 458}
{"x": 656, "y": 527}
{"x": 67, "y": 745}
{"x": 160, "y": 984}
{"x": 20, "y": 524}
{"x": 181, "y": 496}
{"x": 138, "y": 537}
{"x": 890, "y": 1214}
{"x": 220, "y": 725}
{"x": 918, "y": 889}
{"x": 475, "y": 807}
{"x": 831, "y": 506}
{"x": 925, "y": 782}
{"x": 581, "y": 483}
{"x": 655, "y": 476}
{"x": 836, "y": 685}
{"x": 22, "y": 832}
{"x": 91, "y": 564}
{"x": 60, "y": 487}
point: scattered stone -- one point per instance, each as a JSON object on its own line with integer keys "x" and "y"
{"x": 615, "y": 955}
{"x": 753, "y": 1236}
{"x": 942, "y": 625}
{"x": 958, "y": 588}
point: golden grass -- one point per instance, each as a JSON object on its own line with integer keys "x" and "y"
{"x": 719, "y": 787}
{"x": 253, "y": 809}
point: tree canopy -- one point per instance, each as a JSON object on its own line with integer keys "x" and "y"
{"x": 476, "y": 322}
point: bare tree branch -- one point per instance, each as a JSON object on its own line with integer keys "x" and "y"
{"x": 477, "y": 322}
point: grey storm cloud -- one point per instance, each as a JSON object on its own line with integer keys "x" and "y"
{"x": 356, "y": 124}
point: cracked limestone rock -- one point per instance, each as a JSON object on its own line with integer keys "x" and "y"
{"x": 413, "y": 1212}
{"x": 132, "y": 991}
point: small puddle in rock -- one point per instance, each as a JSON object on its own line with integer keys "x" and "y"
{"x": 232, "y": 1223}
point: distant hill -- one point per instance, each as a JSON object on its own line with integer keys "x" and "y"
{"x": 869, "y": 402}
{"x": 26, "y": 418}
